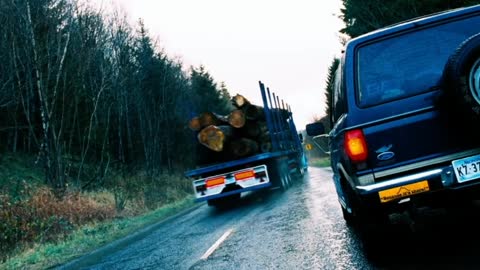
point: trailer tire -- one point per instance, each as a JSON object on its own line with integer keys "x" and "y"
{"x": 290, "y": 179}
{"x": 284, "y": 182}
{"x": 348, "y": 217}
{"x": 287, "y": 180}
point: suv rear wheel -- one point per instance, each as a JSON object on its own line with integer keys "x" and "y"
{"x": 352, "y": 203}
{"x": 361, "y": 214}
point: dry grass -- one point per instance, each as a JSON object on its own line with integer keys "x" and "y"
{"x": 31, "y": 215}
{"x": 44, "y": 217}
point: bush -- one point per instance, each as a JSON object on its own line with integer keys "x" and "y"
{"x": 45, "y": 217}
{"x": 165, "y": 189}
{"x": 137, "y": 192}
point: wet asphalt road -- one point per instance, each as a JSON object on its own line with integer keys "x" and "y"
{"x": 301, "y": 228}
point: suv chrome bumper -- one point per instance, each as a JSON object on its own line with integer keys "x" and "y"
{"x": 444, "y": 177}
{"x": 409, "y": 179}
{"x": 442, "y": 174}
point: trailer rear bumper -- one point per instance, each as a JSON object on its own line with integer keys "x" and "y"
{"x": 230, "y": 183}
{"x": 225, "y": 194}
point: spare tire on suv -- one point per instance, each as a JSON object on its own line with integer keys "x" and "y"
{"x": 462, "y": 77}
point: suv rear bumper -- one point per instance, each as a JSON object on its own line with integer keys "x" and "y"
{"x": 441, "y": 180}
{"x": 405, "y": 180}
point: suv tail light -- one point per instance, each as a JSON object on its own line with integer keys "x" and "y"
{"x": 356, "y": 146}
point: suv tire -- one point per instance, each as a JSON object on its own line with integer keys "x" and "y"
{"x": 353, "y": 218}
{"x": 462, "y": 76}
{"x": 348, "y": 217}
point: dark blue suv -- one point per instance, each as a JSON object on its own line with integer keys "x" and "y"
{"x": 406, "y": 116}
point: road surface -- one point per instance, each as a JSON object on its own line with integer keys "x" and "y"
{"x": 301, "y": 228}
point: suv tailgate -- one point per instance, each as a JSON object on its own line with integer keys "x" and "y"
{"x": 418, "y": 136}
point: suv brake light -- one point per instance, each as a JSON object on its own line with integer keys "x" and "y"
{"x": 356, "y": 146}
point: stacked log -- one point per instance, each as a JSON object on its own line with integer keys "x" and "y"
{"x": 241, "y": 133}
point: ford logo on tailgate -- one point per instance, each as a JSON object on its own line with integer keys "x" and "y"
{"x": 386, "y": 156}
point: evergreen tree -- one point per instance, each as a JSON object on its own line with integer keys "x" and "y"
{"x": 362, "y": 16}
{"x": 206, "y": 95}
{"x": 330, "y": 84}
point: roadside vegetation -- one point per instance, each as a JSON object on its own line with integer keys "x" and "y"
{"x": 87, "y": 238}
{"x": 40, "y": 228}
{"x": 319, "y": 162}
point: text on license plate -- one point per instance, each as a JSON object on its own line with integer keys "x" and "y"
{"x": 467, "y": 169}
{"x": 403, "y": 191}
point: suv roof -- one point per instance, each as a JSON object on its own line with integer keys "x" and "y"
{"x": 414, "y": 22}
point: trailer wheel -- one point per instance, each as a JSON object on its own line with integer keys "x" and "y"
{"x": 284, "y": 182}
{"x": 290, "y": 179}
{"x": 301, "y": 172}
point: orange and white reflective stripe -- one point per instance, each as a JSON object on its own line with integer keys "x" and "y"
{"x": 244, "y": 175}
{"x": 212, "y": 182}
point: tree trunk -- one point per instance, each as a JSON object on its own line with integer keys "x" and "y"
{"x": 254, "y": 129}
{"x": 214, "y": 137}
{"x": 266, "y": 147}
{"x": 208, "y": 119}
{"x": 254, "y": 112}
{"x": 195, "y": 124}
{"x": 243, "y": 147}
{"x": 239, "y": 101}
{"x": 236, "y": 119}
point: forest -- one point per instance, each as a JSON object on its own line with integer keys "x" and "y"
{"x": 81, "y": 87}
{"x": 89, "y": 103}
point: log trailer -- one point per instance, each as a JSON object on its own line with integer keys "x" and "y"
{"x": 223, "y": 182}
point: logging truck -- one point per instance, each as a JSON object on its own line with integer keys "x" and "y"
{"x": 253, "y": 148}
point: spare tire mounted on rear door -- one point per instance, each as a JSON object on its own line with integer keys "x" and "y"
{"x": 462, "y": 76}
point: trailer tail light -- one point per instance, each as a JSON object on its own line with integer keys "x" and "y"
{"x": 244, "y": 175}
{"x": 356, "y": 146}
{"x": 212, "y": 182}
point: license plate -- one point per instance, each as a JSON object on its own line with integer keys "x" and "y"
{"x": 403, "y": 191}
{"x": 467, "y": 169}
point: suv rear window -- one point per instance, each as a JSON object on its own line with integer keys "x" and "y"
{"x": 409, "y": 64}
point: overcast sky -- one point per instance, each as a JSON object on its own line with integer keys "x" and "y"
{"x": 286, "y": 44}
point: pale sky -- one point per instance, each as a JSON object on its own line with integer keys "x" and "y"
{"x": 286, "y": 44}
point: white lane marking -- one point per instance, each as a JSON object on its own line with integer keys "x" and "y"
{"x": 217, "y": 244}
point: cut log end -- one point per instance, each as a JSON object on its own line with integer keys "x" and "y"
{"x": 253, "y": 112}
{"x": 213, "y": 137}
{"x": 239, "y": 101}
{"x": 244, "y": 147}
{"x": 237, "y": 119}
{"x": 194, "y": 124}
{"x": 266, "y": 147}
{"x": 207, "y": 119}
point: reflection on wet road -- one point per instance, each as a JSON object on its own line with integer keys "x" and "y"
{"x": 301, "y": 228}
